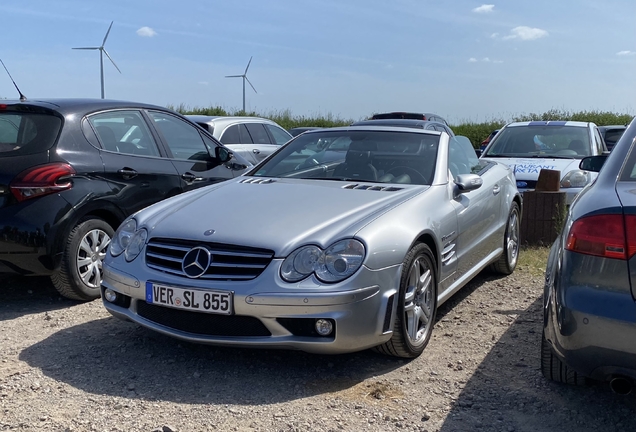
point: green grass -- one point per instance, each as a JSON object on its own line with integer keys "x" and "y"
{"x": 533, "y": 260}
{"x": 475, "y": 132}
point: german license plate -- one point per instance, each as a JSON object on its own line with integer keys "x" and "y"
{"x": 217, "y": 302}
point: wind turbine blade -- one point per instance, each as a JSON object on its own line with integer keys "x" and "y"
{"x": 248, "y": 66}
{"x": 89, "y": 48}
{"x": 251, "y": 85}
{"x": 106, "y": 37}
{"x": 233, "y": 76}
{"x": 111, "y": 60}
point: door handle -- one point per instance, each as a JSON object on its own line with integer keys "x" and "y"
{"x": 189, "y": 177}
{"x": 256, "y": 151}
{"x": 496, "y": 190}
{"x": 127, "y": 173}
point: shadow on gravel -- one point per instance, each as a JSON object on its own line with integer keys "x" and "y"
{"x": 509, "y": 393}
{"x": 22, "y": 295}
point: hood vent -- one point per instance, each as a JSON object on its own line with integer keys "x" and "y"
{"x": 372, "y": 187}
{"x": 257, "y": 180}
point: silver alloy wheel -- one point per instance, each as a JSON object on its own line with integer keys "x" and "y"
{"x": 512, "y": 238}
{"x": 418, "y": 301}
{"x": 90, "y": 255}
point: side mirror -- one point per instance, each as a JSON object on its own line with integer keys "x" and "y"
{"x": 593, "y": 163}
{"x": 468, "y": 182}
{"x": 478, "y": 152}
{"x": 222, "y": 154}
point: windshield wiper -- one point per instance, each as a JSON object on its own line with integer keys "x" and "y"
{"x": 539, "y": 156}
{"x": 339, "y": 179}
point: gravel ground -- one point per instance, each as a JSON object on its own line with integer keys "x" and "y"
{"x": 67, "y": 366}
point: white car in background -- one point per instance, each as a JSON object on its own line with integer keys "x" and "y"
{"x": 529, "y": 147}
{"x": 253, "y": 138}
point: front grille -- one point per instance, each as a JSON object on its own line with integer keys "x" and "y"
{"x": 202, "y": 323}
{"x": 229, "y": 262}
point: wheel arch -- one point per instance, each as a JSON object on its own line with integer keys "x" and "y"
{"x": 428, "y": 239}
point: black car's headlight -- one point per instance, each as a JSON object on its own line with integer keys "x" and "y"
{"x": 334, "y": 264}
{"x": 128, "y": 239}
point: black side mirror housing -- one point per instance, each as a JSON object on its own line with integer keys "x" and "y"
{"x": 593, "y": 163}
{"x": 222, "y": 154}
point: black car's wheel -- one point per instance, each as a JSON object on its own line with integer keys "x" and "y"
{"x": 417, "y": 305}
{"x": 554, "y": 369}
{"x": 507, "y": 262}
{"x": 80, "y": 274}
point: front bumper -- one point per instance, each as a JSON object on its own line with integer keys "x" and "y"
{"x": 268, "y": 312}
{"x": 590, "y": 315}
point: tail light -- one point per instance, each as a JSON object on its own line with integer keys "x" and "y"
{"x": 42, "y": 180}
{"x": 609, "y": 236}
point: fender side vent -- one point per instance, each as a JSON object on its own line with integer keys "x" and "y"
{"x": 257, "y": 180}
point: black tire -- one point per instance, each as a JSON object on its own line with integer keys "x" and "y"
{"x": 74, "y": 280}
{"x": 401, "y": 344}
{"x": 507, "y": 262}
{"x": 554, "y": 369}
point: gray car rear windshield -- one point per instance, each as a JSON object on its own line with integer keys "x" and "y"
{"x": 365, "y": 156}
{"x": 27, "y": 133}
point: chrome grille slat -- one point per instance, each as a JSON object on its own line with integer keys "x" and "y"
{"x": 163, "y": 257}
{"x": 229, "y": 262}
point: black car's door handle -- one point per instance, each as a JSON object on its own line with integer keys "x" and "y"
{"x": 189, "y": 177}
{"x": 128, "y": 173}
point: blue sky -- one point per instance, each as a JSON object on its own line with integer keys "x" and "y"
{"x": 465, "y": 60}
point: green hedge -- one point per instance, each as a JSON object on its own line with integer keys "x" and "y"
{"x": 476, "y": 132}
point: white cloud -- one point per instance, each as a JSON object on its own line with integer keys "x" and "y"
{"x": 494, "y": 35}
{"x": 484, "y": 8}
{"x": 485, "y": 59}
{"x": 146, "y": 32}
{"x": 203, "y": 83}
{"x": 497, "y": 61}
{"x": 472, "y": 60}
{"x": 526, "y": 33}
{"x": 625, "y": 53}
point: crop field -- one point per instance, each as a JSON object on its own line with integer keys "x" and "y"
{"x": 476, "y": 132}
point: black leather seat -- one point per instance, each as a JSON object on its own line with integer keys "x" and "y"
{"x": 358, "y": 162}
{"x": 107, "y": 138}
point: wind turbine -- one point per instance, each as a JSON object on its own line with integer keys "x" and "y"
{"x": 244, "y": 76}
{"x": 102, "y": 51}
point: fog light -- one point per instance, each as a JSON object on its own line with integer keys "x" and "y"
{"x": 324, "y": 327}
{"x": 110, "y": 295}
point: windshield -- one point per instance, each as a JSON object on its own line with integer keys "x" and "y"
{"x": 541, "y": 141}
{"x": 27, "y": 133}
{"x": 367, "y": 156}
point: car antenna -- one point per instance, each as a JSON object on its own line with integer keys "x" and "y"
{"x": 22, "y": 97}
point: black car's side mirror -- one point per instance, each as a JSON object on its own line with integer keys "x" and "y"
{"x": 593, "y": 163}
{"x": 478, "y": 152}
{"x": 222, "y": 154}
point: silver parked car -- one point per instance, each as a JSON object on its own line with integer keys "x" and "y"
{"x": 253, "y": 138}
{"x": 589, "y": 326}
{"x": 344, "y": 239}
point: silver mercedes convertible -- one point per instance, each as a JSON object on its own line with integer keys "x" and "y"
{"x": 342, "y": 240}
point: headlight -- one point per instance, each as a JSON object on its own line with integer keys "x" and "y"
{"x": 336, "y": 263}
{"x": 136, "y": 244}
{"x": 576, "y": 179}
{"x": 122, "y": 237}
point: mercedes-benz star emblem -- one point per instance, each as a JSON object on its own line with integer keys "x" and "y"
{"x": 196, "y": 262}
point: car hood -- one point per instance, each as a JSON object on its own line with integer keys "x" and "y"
{"x": 528, "y": 168}
{"x": 275, "y": 214}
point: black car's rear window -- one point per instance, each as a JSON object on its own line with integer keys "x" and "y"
{"x": 27, "y": 133}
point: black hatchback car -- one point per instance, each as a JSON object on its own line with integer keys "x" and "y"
{"x": 71, "y": 170}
